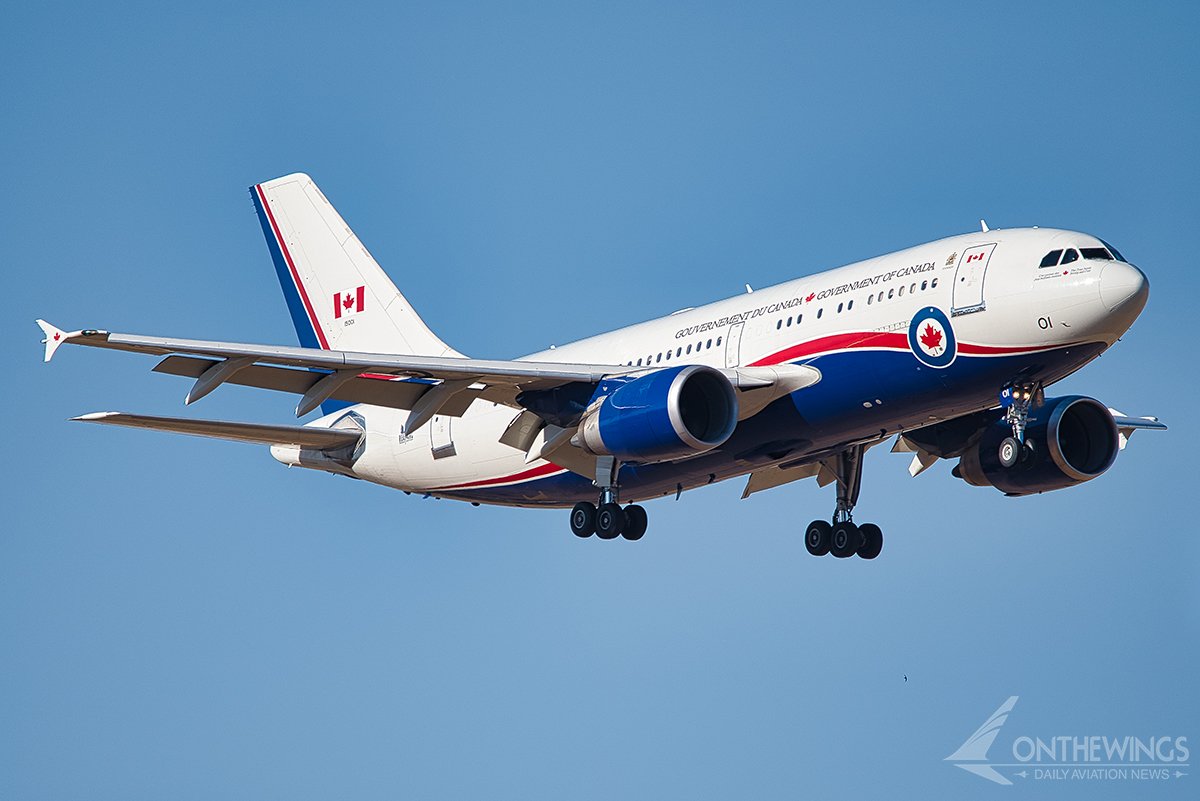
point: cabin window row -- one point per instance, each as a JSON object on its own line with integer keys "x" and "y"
{"x": 678, "y": 352}
{"x": 786, "y": 322}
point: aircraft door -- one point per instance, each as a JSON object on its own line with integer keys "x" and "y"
{"x": 441, "y": 443}
{"x": 968, "y": 279}
{"x": 733, "y": 345}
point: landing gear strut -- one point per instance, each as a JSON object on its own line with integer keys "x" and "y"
{"x": 1018, "y": 400}
{"x": 842, "y": 537}
{"x": 606, "y": 519}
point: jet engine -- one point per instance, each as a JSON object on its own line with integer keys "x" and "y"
{"x": 1068, "y": 441}
{"x": 667, "y": 414}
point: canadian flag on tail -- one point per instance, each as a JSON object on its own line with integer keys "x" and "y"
{"x": 348, "y": 302}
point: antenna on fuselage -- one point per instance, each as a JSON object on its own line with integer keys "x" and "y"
{"x": 983, "y": 226}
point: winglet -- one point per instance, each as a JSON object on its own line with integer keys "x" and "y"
{"x": 54, "y": 337}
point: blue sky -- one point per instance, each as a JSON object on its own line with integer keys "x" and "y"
{"x": 187, "y": 619}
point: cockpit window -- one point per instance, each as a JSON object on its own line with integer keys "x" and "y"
{"x": 1116, "y": 253}
{"x": 1096, "y": 253}
{"x": 1071, "y": 255}
{"x": 1051, "y": 259}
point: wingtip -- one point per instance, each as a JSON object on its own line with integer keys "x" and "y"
{"x": 54, "y": 338}
{"x": 92, "y": 417}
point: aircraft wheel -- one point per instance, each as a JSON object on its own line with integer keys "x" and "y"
{"x": 635, "y": 523}
{"x": 610, "y": 520}
{"x": 1009, "y": 452}
{"x": 816, "y": 538}
{"x": 583, "y": 519}
{"x": 872, "y": 538}
{"x": 845, "y": 540}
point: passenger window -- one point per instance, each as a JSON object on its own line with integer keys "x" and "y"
{"x": 901, "y": 291}
{"x": 718, "y": 342}
{"x": 870, "y": 299}
{"x": 849, "y": 305}
{"x": 709, "y": 343}
{"x": 639, "y": 364}
{"x": 659, "y": 358}
{"x": 924, "y": 285}
{"x": 689, "y": 350}
{"x": 839, "y": 308}
{"x": 933, "y": 285}
{"x": 912, "y": 288}
{"x": 799, "y": 317}
{"x": 778, "y": 324}
{"x": 1096, "y": 253}
{"x": 1051, "y": 259}
{"x": 1070, "y": 256}
{"x": 891, "y": 293}
{"x": 820, "y": 312}
{"x": 668, "y": 355}
{"x": 789, "y": 322}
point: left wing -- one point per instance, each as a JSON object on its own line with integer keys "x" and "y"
{"x": 426, "y": 385}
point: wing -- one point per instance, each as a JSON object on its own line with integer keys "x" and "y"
{"x": 426, "y": 385}
{"x": 299, "y": 436}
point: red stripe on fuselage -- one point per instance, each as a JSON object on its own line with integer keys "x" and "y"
{"x": 308, "y": 307}
{"x": 533, "y": 472}
{"x": 835, "y": 342}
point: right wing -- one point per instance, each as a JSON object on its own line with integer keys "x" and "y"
{"x": 299, "y": 436}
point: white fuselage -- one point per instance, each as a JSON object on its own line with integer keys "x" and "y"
{"x": 1007, "y": 312}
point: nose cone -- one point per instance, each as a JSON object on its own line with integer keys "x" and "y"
{"x": 1124, "y": 287}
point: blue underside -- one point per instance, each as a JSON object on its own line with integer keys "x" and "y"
{"x": 902, "y": 393}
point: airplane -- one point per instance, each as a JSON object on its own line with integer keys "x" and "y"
{"x": 947, "y": 347}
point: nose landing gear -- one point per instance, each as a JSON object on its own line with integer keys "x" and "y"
{"x": 606, "y": 519}
{"x": 842, "y": 537}
{"x": 1018, "y": 400}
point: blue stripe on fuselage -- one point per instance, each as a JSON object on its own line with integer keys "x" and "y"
{"x": 823, "y": 416}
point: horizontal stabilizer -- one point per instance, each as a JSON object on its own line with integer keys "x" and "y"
{"x": 300, "y": 436}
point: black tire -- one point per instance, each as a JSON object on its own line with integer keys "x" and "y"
{"x": 635, "y": 523}
{"x": 845, "y": 540}
{"x": 1009, "y": 452}
{"x": 872, "y": 541}
{"x": 1028, "y": 453}
{"x": 816, "y": 537}
{"x": 610, "y": 520}
{"x": 583, "y": 519}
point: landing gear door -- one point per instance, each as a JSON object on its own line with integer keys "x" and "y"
{"x": 733, "y": 345}
{"x": 440, "y": 441}
{"x": 968, "y": 279}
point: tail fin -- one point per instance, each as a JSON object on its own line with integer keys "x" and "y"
{"x": 339, "y": 297}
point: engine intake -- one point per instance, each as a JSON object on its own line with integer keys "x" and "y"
{"x": 668, "y": 414}
{"x": 1070, "y": 440}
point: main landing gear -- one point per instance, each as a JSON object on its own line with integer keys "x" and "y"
{"x": 607, "y": 519}
{"x": 1018, "y": 400}
{"x": 842, "y": 537}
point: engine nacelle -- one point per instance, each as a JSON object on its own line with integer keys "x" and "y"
{"x": 1070, "y": 440}
{"x": 668, "y": 414}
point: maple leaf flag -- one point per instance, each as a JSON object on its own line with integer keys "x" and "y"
{"x": 349, "y": 302}
{"x": 931, "y": 338}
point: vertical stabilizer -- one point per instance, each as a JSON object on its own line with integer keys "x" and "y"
{"x": 338, "y": 295}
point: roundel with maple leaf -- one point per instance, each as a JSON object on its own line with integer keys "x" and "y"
{"x": 931, "y": 338}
